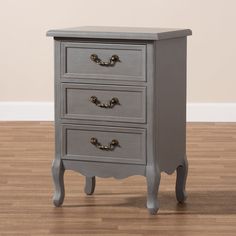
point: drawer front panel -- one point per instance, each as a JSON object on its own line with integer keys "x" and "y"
{"x": 78, "y": 104}
{"x": 77, "y": 62}
{"x": 77, "y": 144}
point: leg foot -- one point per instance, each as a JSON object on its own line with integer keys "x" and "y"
{"x": 90, "y": 183}
{"x": 182, "y": 172}
{"x": 58, "y": 179}
{"x": 153, "y": 181}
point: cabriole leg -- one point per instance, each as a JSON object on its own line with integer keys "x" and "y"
{"x": 58, "y": 179}
{"x": 90, "y": 183}
{"x": 153, "y": 181}
{"x": 182, "y": 172}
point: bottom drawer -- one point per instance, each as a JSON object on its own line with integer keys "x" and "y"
{"x": 104, "y": 144}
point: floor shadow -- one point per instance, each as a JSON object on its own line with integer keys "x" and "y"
{"x": 203, "y": 202}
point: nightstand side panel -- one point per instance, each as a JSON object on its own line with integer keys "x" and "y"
{"x": 170, "y": 84}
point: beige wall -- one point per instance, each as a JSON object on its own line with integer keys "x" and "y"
{"x": 26, "y": 55}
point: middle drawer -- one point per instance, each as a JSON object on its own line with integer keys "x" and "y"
{"x": 103, "y": 102}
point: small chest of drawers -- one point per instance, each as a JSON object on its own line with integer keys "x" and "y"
{"x": 120, "y": 106}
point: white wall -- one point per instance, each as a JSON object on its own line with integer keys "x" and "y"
{"x": 26, "y": 60}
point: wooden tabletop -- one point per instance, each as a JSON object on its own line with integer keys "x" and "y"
{"x": 119, "y": 32}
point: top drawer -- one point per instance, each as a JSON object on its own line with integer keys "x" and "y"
{"x": 99, "y": 61}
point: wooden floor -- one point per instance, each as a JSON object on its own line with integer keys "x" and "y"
{"x": 118, "y": 206}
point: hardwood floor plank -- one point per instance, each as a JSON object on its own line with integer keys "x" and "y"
{"x": 118, "y": 206}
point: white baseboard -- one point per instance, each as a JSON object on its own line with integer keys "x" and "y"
{"x": 26, "y": 111}
{"x": 43, "y": 111}
{"x": 211, "y": 112}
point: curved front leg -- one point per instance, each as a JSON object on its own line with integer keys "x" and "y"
{"x": 58, "y": 179}
{"x": 182, "y": 172}
{"x": 153, "y": 180}
{"x": 90, "y": 183}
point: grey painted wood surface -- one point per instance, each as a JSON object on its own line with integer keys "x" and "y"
{"x": 153, "y": 180}
{"x": 90, "y": 183}
{"x": 104, "y": 169}
{"x": 76, "y": 144}
{"x": 182, "y": 172}
{"x": 58, "y": 179}
{"x": 76, "y": 61}
{"x": 152, "y": 135}
{"x": 77, "y": 104}
{"x": 108, "y": 32}
{"x": 170, "y": 103}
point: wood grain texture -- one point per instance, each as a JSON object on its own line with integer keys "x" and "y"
{"x": 118, "y": 206}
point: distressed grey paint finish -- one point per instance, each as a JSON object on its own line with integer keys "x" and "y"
{"x": 58, "y": 178}
{"x": 76, "y": 61}
{"x": 182, "y": 172}
{"x": 170, "y": 102}
{"x": 152, "y": 135}
{"x": 76, "y": 144}
{"x": 107, "y": 32}
{"x": 90, "y": 183}
{"x": 104, "y": 169}
{"x": 153, "y": 180}
{"x": 77, "y": 104}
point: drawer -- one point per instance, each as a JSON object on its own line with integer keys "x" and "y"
{"x": 76, "y": 61}
{"x": 106, "y": 103}
{"x": 104, "y": 144}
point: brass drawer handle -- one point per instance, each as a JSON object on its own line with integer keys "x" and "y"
{"x": 110, "y": 147}
{"x": 112, "y": 61}
{"x": 114, "y": 101}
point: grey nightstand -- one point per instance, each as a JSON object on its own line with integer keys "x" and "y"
{"x": 120, "y": 106}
